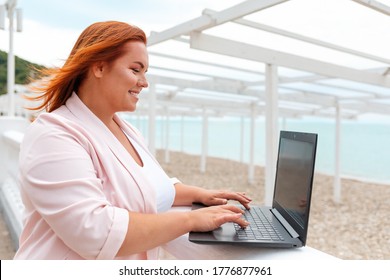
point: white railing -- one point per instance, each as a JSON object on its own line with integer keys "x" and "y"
{"x": 21, "y": 104}
{"x": 11, "y": 135}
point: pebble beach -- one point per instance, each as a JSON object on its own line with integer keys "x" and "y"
{"x": 357, "y": 228}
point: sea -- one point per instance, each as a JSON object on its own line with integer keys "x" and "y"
{"x": 364, "y": 145}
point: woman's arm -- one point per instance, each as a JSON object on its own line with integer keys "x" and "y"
{"x": 147, "y": 231}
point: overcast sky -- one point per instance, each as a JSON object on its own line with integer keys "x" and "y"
{"x": 51, "y": 27}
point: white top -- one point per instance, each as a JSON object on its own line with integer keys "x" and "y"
{"x": 165, "y": 191}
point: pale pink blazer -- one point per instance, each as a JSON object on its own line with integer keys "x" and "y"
{"x": 78, "y": 184}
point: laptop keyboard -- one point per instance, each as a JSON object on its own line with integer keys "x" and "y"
{"x": 260, "y": 227}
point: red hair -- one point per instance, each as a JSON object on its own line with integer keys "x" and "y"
{"x": 101, "y": 41}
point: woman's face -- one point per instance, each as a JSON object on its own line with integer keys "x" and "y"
{"x": 123, "y": 79}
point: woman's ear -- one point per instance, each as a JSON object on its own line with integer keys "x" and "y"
{"x": 98, "y": 69}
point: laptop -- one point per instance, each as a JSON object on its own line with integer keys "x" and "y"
{"x": 285, "y": 224}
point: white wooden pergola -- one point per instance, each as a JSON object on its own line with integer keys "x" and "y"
{"x": 218, "y": 64}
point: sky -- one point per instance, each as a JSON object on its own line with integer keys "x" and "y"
{"x": 51, "y": 27}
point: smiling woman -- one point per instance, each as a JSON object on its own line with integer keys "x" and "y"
{"x": 90, "y": 187}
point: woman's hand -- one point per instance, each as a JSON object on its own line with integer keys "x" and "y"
{"x": 221, "y": 197}
{"x": 186, "y": 195}
{"x": 210, "y": 218}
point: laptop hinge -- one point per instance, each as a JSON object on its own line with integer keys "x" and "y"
{"x": 286, "y": 225}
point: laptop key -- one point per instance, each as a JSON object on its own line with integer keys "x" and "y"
{"x": 260, "y": 227}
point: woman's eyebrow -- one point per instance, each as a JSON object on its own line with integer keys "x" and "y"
{"x": 140, "y": 64}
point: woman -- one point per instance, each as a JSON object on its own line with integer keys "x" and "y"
{"x": 91, "y": 188}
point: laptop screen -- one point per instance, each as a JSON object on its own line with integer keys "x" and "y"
{"x": 294, "y": 177}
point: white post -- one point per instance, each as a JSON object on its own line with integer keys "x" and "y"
{"x": 182, "y": 134}
{"x": 2, "y": 16}
{"x": 271, "y": 124}
{"x": 284, "y": 123}
{"x": 162, "y": 130}
{"x": 337, "y": 180}
{"x": 11, "y": 60}
{"x": 167, "y": 132}
{"x": 205, "y": 130}
{"x": 251, "y": 166}
{"x": 152, "y": 118}
{"x": 242, "y": 139}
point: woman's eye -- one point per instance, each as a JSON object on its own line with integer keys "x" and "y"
{"x": 135, "y": 70}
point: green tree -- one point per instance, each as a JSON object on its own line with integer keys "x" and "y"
{"x": 24, "y": 70}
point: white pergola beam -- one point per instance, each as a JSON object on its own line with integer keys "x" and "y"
{"x": 228, "y": 107}
{"x": 210, "y": 103}
{"x": 285, "y": 33}
{"x": 198, "y": 23}
{"x": 301, "y": 96}
{"x": 242, "y": 9}
{"x": 220, "y": 85}
{"x": 375, "y": 5}
{"x": 206, "y": 21}
{"x": 196, "y": 61}
{"x": 310, "y": 40}
{"x": 309, "y": 98}
{"x": 256, "y": 53}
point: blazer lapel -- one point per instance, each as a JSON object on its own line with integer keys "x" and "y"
{"x": 102, "y": 134}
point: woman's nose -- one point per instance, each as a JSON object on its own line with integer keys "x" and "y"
{"x": 143, "y": 83}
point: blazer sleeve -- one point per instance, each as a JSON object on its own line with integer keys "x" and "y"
{"x": 60, "y": 180}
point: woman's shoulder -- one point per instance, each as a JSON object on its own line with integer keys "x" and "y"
{"x": 52, "y": 122}
{"x": 54, "y": 125}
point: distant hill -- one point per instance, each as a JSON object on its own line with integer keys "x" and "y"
{"x": 23, "y": 71}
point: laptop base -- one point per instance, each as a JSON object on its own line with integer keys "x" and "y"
{"x": 227, "y": 234}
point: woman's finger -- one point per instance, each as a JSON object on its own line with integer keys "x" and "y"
{"x": 240, "y": 197}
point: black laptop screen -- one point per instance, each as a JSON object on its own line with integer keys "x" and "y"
{"x": 294, "y": 181}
